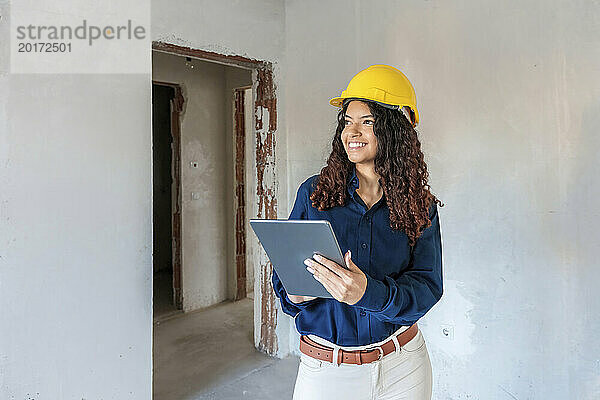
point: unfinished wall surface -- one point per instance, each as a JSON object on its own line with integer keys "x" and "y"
{"x": 509, "y": 101}
{"x": 252, "y": 29}
{"x": 76, "y": 237}
{"x": 75, "y": 232}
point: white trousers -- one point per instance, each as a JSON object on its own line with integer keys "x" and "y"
{"x": 399, "y": 375}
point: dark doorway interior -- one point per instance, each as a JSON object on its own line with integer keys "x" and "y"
{"x": 162, "y": 181}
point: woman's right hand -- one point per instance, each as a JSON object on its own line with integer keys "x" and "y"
{"x": 300, "y": 299}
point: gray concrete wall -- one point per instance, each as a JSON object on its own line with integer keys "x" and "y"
{"x": 252, "y": 29}
{"x": 508, "y": 94}
{"x": 76, "y": 236}
{"x": 75, "y": 232}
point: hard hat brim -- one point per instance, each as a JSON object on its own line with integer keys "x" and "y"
{"x": 337, "y": 101}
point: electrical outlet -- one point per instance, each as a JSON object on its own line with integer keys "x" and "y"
{"x": 447, "y": 331}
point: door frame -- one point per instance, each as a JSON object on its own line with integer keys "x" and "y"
{"x": 265, "y": 170}
{"x": 239, "y": 192}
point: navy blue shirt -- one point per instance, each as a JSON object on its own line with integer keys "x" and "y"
{"x": 403, "y": 282}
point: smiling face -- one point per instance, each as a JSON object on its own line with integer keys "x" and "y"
{"x": 358, "y": 135}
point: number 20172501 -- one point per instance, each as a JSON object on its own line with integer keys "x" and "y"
{"x": 44, "y": 47}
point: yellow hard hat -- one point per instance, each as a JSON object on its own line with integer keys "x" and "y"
{"x": 383, "y": 84}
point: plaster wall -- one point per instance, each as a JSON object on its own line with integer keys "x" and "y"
{"x": 508, "y": 95}
{"x": 75, "y": 227}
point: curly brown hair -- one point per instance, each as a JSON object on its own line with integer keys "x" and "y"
{"x": 400, "y": 164}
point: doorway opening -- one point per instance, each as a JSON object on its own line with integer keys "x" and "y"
{"x": 167, "y": 102}
{"x": 223, "y": 152}
{"x": 250, "y": 183}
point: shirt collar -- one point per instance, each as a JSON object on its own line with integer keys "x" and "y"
{"x": 352, "y": 181}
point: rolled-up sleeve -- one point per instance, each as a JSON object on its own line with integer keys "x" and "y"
{"x": 415, "y": 291}
{"x": 299, "y": 211}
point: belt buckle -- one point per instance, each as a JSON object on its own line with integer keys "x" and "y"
{"x": 380, "y": 352}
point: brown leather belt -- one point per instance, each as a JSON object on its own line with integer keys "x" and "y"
{"x": 324, "y": 353}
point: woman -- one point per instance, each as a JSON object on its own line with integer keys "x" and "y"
{"x": 364, "y": 343}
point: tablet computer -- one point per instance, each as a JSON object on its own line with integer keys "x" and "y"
{"x": 289, "y": 242}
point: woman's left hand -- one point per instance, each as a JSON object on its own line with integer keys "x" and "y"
{"x": 345, "y": 285}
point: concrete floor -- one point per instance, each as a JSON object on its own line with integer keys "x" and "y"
{"x": 164, "y": 304}
{"x": 210, "y": 354}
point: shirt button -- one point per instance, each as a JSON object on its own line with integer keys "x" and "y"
{"x": 364, "y": 245}
{"x": 363, "y": 313}
{"x": 367, "y": 219}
